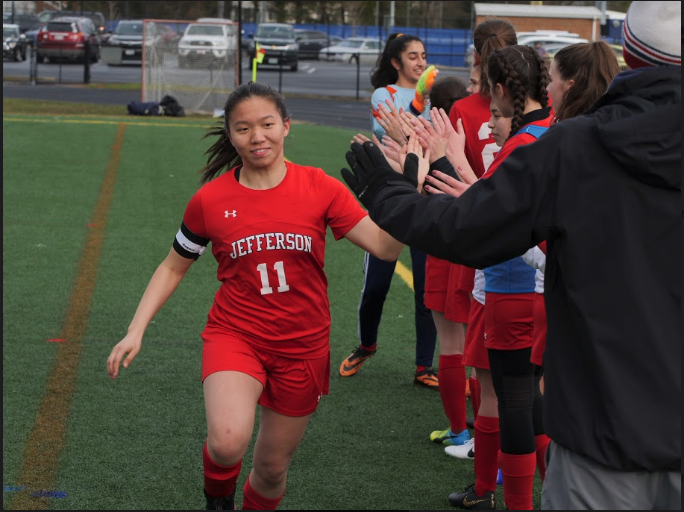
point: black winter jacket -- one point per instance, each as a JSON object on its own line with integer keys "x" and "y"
{"x": 605, "y": 190}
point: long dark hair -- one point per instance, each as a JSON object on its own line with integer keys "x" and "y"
{"x": 523, "y": 74}
{"x": 592, "y": 66}
{"x": 492, "y": 34}
{"x": 384, "y": 74}
{"x": 222, "y": 155}
{"x": 446, "y": 91}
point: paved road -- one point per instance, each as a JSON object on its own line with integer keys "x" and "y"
{"x": 320, "y": 92}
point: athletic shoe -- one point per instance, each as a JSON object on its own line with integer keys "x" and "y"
{"x": 225, "y": 503}
{"x": 448, "y": 438}
{"x": 427, "y": 378}
{"x": 353, "y": 363}
{"x": 499, "y": 478}
{"x": 464, "y": 451}
{"x": 469, "y": 500}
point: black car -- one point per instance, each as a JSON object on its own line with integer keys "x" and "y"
{"x": 278, "y": 42}
{"x": 125, "y": 44}
{"x": 13, "y": 42}
{"x": 310, "y": 42}
{"x": 26, "y": 22}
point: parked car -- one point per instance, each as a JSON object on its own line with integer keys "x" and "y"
{"x": 13, "y": 42}
{"x": 545, "y": 38}
{"x": 66, "y": 38}
{"x": 25, "y": 21}
{"x": 549, "y": 37}
{"x": 208, "y": 43}
{"x": 351, "y": 48}
{"x": 124, "y": 44}
{"x": 43, "y": 18}
{"x": 97, "y": 18}
{"x": 310, "y": 42}
{"x": 278, "y": 41}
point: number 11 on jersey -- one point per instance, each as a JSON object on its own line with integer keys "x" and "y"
{"x": 282, "y": 282}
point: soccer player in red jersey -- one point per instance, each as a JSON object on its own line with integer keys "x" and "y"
{"x": 266, "y": 340}
{"x": 517, "y": 79}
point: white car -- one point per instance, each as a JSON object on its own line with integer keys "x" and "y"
{"x": 543, "y": 37}
{"x": 348, "y": 50}
{"x": 208, "y": 44}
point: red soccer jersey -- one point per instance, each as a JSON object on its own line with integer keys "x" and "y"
{"x": 517, "y": 140}
{"x": 480, "y": 146}
{"x": 270, "y": 248}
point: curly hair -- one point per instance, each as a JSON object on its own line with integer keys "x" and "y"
{"x": 523, "y": 74}
{"x": 384, "y": 74}
{"x": 222, "y": 155}
{"x": 592, "y": 66}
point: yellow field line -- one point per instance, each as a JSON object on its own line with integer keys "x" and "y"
{"x": 402, "y": 271}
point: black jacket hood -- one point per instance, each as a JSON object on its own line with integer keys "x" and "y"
{"x": 639, "y": 121}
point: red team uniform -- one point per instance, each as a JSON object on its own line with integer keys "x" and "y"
{"x": 509, "y": 316}
{"x": 480, "y": 150}
{"x": 268, "y": 314}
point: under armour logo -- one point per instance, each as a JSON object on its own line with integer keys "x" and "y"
{"x": 231, "y": 214}
{"x": 485, "y": 334}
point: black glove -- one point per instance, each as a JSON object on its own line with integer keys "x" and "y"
{"x": 370, "y": 171}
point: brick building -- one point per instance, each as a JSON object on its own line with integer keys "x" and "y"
{"x": 585, "y": 21}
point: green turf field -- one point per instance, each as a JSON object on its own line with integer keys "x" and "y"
{"x": 91, "y": 204}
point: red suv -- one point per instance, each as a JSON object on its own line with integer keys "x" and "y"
{"x": 65, "y": 38}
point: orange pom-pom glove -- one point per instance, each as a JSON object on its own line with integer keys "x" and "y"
{"x": 423, "y": 88}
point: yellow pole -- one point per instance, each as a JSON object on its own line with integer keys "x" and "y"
{"x": 254, "y": 68}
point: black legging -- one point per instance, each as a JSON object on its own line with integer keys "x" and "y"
{"x": 516, "y": 383}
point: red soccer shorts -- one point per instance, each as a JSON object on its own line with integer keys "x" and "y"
{"x": 508, "y": 320}
{"x": 539, "y": 336}
{"x": 292, "y": 387}
{"x": 475, "y": 353}
{"x": 457, "y": 307}
{"x": 436, "y": 283}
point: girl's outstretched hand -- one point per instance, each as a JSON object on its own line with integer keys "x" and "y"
{"x": 130, "y": 347}
{"x": 444, "y": 184}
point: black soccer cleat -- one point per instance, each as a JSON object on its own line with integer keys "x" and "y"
{"x": 224, "y": 503}
{"x": 469, "y": 500}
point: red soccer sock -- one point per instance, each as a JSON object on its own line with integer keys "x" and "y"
{"x": 475, "y": 391}
{"x": 541, "y": 442}
{"x": 252, "y": 500}
{"x": 487, "y": 444}
{"x": 452, "y": 390}
{"x": 518, "y": 479}
{"x": 219, "y": 481}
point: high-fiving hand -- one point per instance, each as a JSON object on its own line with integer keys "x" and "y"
{"x": 369, "y": 172}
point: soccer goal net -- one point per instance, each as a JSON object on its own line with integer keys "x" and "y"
{"x": 196, "y": 62}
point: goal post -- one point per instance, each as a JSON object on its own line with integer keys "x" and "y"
{"x": 196, "y": 62}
